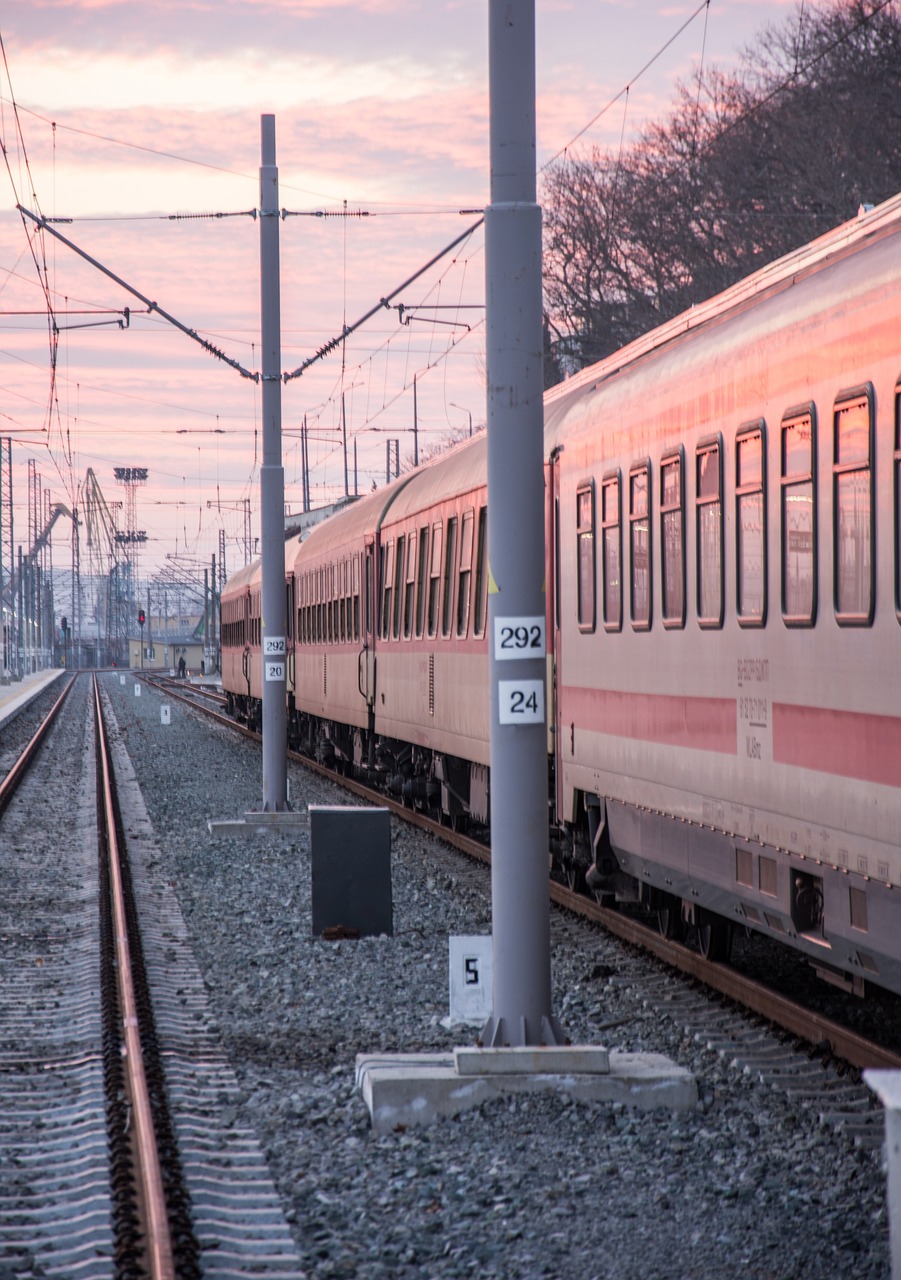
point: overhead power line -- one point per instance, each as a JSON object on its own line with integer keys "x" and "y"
{"x": 382, "y": 304}
{"x": 151, "y": 306}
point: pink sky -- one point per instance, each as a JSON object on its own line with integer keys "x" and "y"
{"x": 382, "y": 104}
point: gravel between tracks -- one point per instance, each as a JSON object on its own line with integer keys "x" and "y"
{"x": 750, "y": 1184}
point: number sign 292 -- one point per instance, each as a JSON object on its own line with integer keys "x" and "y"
{"x": 519, "y": 638}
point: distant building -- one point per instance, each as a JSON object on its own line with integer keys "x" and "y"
{"x": 161, "y": 653}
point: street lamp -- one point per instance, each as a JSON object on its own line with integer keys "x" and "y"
{"x": 452, "y": 405}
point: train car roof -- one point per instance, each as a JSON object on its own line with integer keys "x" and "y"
{"x": 348, "y": 525}
{"x": 240, "y": 579}
{"x": 776, "y": 277}
{"x": 459, "y": 471}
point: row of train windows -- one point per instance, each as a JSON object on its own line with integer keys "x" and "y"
{"x": 852, "y": 515}
{"x": 428, "y": 584}
{"x": 238, "y": 631}
{"x": 328, "y": 603}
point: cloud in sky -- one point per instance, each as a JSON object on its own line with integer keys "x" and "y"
{"x": 382, "y": 103}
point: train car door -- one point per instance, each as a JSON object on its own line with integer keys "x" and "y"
{"x": 552, "y": 542}
{"x": 366, "y": 661}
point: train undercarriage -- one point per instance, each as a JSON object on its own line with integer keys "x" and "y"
{"x": 619, "y": 853}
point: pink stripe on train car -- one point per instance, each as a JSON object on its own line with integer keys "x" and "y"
{"x": 850, "y": 744}
{"x": 705, "y": 724}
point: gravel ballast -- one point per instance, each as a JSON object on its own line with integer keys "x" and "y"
{"x": 749, "y": 1184}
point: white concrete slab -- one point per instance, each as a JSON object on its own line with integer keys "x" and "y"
{"x": 887, "y": 1087}
{"x": 570, "y": 1059}
{"x": 402, "y": 1090}
{"x": 254, "y": 823}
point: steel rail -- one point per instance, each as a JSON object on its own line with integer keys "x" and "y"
{"x": 159, "y": 1240}
{"x": 11, "y": 782}
{"x": 813, "y": 1028}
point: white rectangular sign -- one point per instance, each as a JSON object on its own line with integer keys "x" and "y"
{"x": 273, "y": 646}
{"x": 519, "y": 638}
{"x": 137, "y": 691}
{"x": 520, "y": 701}
{"x": 164, "y": 714}
{"x": 471, "y": 979}
{"x": 273, "y": 670}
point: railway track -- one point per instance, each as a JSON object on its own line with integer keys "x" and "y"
{"x": 827, "y": 1038}
{"x": 118, "y": 1142}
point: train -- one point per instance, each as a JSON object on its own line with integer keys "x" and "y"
{"x": 723, "y": 599}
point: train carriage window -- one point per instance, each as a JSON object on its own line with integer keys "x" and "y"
{"x": 355, "y": 589}
{"x": 750, "y": 525}
{"x": 672, "y": 541}
{"x": 481, "y": 601}
{"x": 799, "y": 517}
{"x": 709, "y": 533}
{"x": 422, "y": 578}
{"x": 464, "y": 577}
{"x": 611, "y": 525}
{"x": 410, "y": 587}
{"x": 387, "y": 578}
{"x": 852, "y": 507}
{"x": 332, "y": 606}
{"x": 368, "y": 596}
{"x": 435, "y": 579}
{"x": 347, "y": 588}
{"x": 450, "y": 560}
{"x": 640, "y": 546}
{"x": 399, "y": 586}
{"x": 585, "y": 557}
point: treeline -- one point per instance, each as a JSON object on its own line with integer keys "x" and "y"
{"x": 747, "y": 166}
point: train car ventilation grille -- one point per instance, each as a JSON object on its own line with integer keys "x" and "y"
{"x": 324, "y": 675}
{"x": 431, "y": 684}
{"x": 858, "y": 899}
{"x": 744, "y": 867}
{"x": 768, "y": 876}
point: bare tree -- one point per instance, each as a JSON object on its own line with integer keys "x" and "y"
{"x": 744, "y": 168}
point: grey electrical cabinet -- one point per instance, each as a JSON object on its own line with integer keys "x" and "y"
{"x": 351, "y": 879}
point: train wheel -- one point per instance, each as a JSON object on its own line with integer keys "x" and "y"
{"x": 669, "y": 919}
{"x": 714, "y": 937}
{"x": 575, "y": 877}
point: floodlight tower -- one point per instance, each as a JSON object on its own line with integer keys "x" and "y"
{"x": 131, "y": 537}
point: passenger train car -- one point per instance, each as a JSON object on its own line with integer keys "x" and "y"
{"x": 724, "y": 614}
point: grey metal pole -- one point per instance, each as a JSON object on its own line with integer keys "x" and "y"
{"x": 415, "y": 426}
{"x": 305, "y": 464}
{"x": 272, "y": 487}
{"x": 522, "y": 1013}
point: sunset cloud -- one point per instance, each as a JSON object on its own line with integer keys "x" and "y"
{"x": 129, "y": 113}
